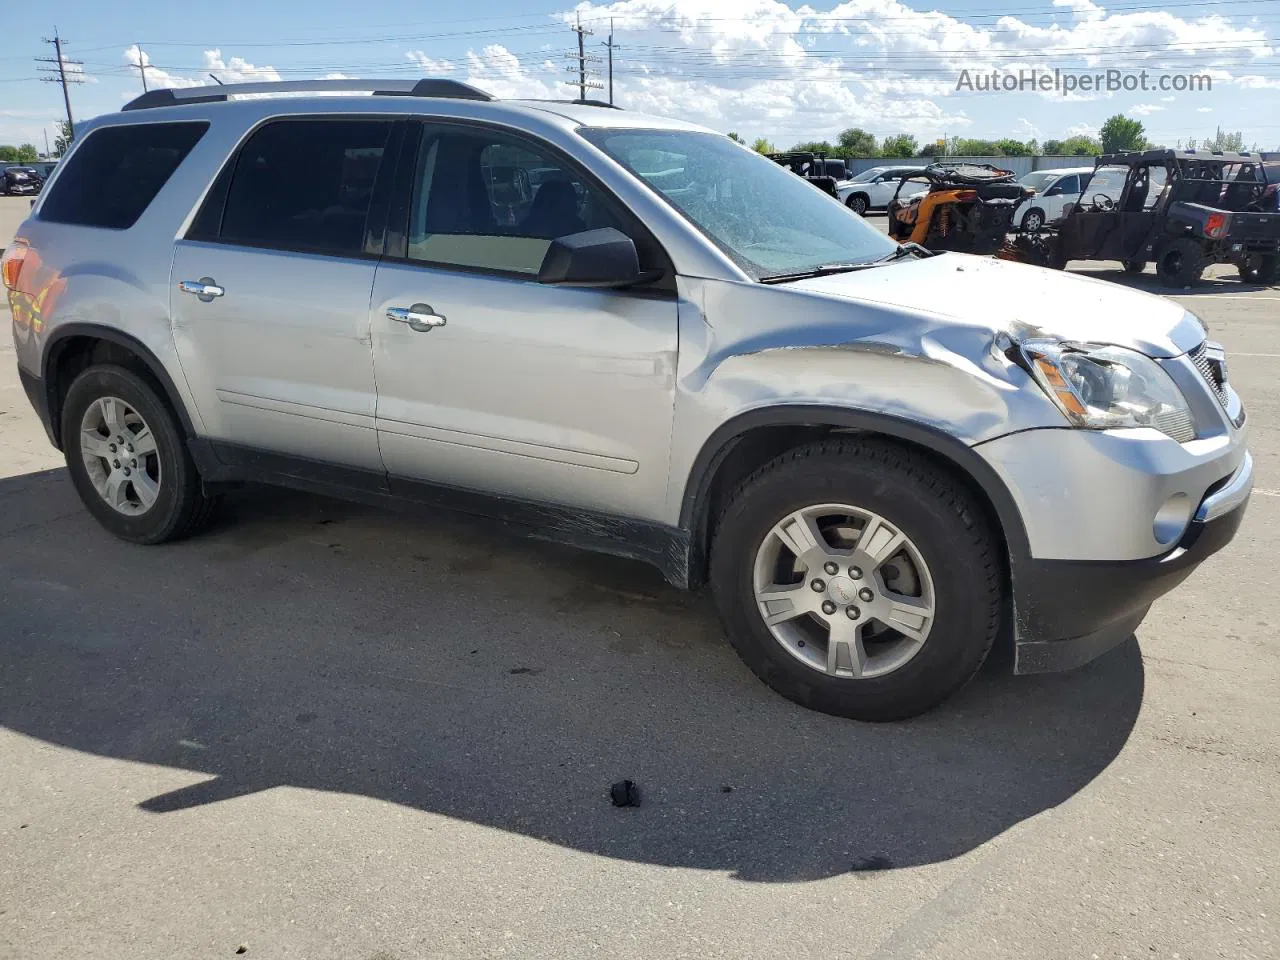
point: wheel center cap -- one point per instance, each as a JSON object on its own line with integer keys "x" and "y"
{"x": 842, "y": 590}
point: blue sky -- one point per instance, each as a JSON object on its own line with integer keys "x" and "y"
{"x": 781, "y": 70}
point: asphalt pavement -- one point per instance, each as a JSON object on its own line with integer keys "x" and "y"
{"x": 326, "y": 731}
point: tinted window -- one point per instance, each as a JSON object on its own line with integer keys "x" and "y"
{"x": 305, "y": 185}
{"x": 116, "y": 172}
{"x": 485, "y": 200}
{"x": 1069, "y": 185}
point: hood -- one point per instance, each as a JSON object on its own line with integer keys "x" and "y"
{"x": 1022, "y": 301}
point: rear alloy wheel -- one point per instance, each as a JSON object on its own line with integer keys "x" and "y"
{"x": 1261, "y": 268}
{"x": 128, "y": 458}
{"x": 1033, "y": 221}
{"x": 858, "y": 204}
{"x": 1180, "y": 263}
{"x": 854, "y": 578}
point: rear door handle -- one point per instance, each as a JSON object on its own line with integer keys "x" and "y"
{"x": 204, "y": 288}
{"x": 420, "y": 317}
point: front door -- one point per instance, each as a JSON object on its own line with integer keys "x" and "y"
{"x": 490, "y": 381}
{"x": 270, "y": 294}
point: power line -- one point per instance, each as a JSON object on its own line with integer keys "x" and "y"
{"x": 62, "y": 63}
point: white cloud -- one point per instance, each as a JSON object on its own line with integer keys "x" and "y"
{"x": 498, "y": 71}
{"x": 1204, "y": 109}
{"x": 1082, "y": 130}
{"x": 763, "y": 64}
{"x": 235, "y": 70}
{"x": 428, "y": 64}
{"x": 1168, "y": 99}
{"x": 1144, "y": 109}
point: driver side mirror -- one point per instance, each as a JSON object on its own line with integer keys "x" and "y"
{"x": 594, "y": 258}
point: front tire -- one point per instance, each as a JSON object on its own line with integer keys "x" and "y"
{"x": 128, "y": 458}
{"x": 877, "y": 572}
{"x": 1181, "y": 263}
{"x": 1033, "y": 220}
{"x": 858, "y": 204}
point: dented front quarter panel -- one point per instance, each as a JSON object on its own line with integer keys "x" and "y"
{"x": 745, "y": 346}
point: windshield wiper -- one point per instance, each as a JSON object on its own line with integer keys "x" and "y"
{"x": 827, "y": 269}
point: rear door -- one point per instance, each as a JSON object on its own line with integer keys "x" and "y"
{"x": 550, "y": 394}
{"x": 271, "y": 288}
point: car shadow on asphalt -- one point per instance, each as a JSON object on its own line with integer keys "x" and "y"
{"x": 309, "y": 643}
{"x": 1150, "y": 283}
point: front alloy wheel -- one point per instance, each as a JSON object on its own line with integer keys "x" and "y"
{"x": 844, "y": 591}
{"x": 857, "y": 577}
{"x": 120, "y": 456}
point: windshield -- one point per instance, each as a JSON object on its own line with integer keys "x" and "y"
{"x": 771, "y": 222}
{"x": 871, "y": 174}
{"x": 1040, "y": 180}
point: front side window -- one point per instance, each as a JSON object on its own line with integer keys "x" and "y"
{"x": 769, "y": 221}
{"x": 114, "y": 175}
{"x": 485, "y": 200}
{"x": 305, "y": 185}
{"x": 1069, "y": 185}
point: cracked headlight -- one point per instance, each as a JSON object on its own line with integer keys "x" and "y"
{"x": 1100, "y": 387}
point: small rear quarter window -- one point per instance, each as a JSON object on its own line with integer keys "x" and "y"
{"x": 113, "y": 176}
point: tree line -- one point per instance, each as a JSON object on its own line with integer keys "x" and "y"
{"x": 1120, "y": 134}
{"x": 27, "y": 152}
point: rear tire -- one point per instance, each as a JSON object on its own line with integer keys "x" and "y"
{"x": 1180, "y": 263}
{"x": 160, "y": 497}
{"x": 944, "y": 532}
{"x": 1261, "y": 269}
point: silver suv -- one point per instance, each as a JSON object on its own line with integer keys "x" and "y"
{"x": 633, "y": 335}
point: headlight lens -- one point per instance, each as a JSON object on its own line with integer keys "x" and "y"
{"x": 1100, "y": 387}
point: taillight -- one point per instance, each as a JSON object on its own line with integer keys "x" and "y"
{"x": 11, "y": 264}
{"x": 1216, "y": 225}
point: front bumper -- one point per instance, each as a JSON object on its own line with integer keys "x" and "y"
{"x": 1067, "y": 612}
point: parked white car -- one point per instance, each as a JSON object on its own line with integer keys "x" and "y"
{"x": 873, "y": 189}
{"x": 1054, "y": 190}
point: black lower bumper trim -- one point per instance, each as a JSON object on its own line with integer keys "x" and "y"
{"x": 1071, "y": 611}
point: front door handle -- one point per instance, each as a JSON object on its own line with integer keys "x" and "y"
{"x": 419, "y": 317}
{"x": 204, "y": 288}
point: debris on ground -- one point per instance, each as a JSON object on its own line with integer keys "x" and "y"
{"x": 625, "y": 793}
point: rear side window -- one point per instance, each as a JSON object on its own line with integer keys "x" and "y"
{"x": 305, "y": 185}
{"x": 114, "y": 175}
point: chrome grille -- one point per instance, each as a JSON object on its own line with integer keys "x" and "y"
{"x": 1212, "y": 364}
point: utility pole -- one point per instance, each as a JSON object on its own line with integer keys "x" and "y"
{"x": 142, "y": 65}
{"x": 583, "y": 82}
{"x": 46, "y": 141}
{"x": 612, "y": 47}
{"x": 61, "y": 78}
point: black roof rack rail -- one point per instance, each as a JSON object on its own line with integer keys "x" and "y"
{"x": 582, "y": 103}
{"x": 429, "y": 87}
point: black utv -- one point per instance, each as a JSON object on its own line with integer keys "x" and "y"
{"x": 1182, "y": 209}
{"x": 823, "y": 172}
